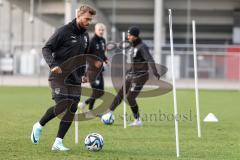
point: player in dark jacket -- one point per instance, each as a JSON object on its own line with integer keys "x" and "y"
{"x": 138, "y": 74}
{"x": 68, "y": 41}
{"x": 97, "y": 48}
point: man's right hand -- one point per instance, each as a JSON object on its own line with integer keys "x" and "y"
{"x": 85, "y": 79}
{"x": 56, "y": 70}
{"x": 157, "y": 75}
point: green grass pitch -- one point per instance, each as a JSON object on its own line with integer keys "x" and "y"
{"x": 20, "y": 107}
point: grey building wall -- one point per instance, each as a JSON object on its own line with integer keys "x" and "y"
{"x": 17, "y": 32}
{"x": 215, "y": 19}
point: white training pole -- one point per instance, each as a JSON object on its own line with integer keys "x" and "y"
{"x": 31, "y": 17}
{"x": 76, "y": 127}
{"x": 173, "y": 81}
{"x": 124, "y": 84}
{"x": 196, "y": 77}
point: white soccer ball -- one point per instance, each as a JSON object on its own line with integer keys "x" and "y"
{"x": 108, "y": 118}
{"x": 94, "y": 142}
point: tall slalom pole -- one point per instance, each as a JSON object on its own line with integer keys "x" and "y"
{"x": 76, "y": 126}
{"x": 196, "y": 77}
{"x": 173, "y": 81}
{"x": 124, "y": 82}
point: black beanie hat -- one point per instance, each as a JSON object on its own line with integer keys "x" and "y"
{"x": 134, "y": 31}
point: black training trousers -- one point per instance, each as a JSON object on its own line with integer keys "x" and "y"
{"x": 134, "y": 85}
{"x": 66, "y": 99}
{"x": 97, "y": 92}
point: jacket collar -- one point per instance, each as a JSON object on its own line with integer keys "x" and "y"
{"x": 97, "y": 37}
{"x": 77, "y": 29}
{"x": 136, "y": 42}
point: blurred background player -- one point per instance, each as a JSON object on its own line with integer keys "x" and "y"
{"x": 138, "y": 74}
{"x": 97, "y": 48}
{"x": 68, "y": 41}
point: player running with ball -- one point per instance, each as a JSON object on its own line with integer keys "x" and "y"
{"x": 137, "y": 76}
{"x": 69, "y": 41}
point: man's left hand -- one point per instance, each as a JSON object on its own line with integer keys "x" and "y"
{"x": 98, "y": 64}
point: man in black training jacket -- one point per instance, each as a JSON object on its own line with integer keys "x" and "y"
{"x": 68, "y": 41}
{"x": 97, "y": 48}
{"x": 137, "y": 76}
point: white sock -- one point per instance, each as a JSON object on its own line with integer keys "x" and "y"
{"x": 138, "y": 119}
{"x": 59, "y": 140}
{"x": 38, "y": 125}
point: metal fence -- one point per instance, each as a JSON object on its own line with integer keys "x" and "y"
{"x": 214, "y": 63}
